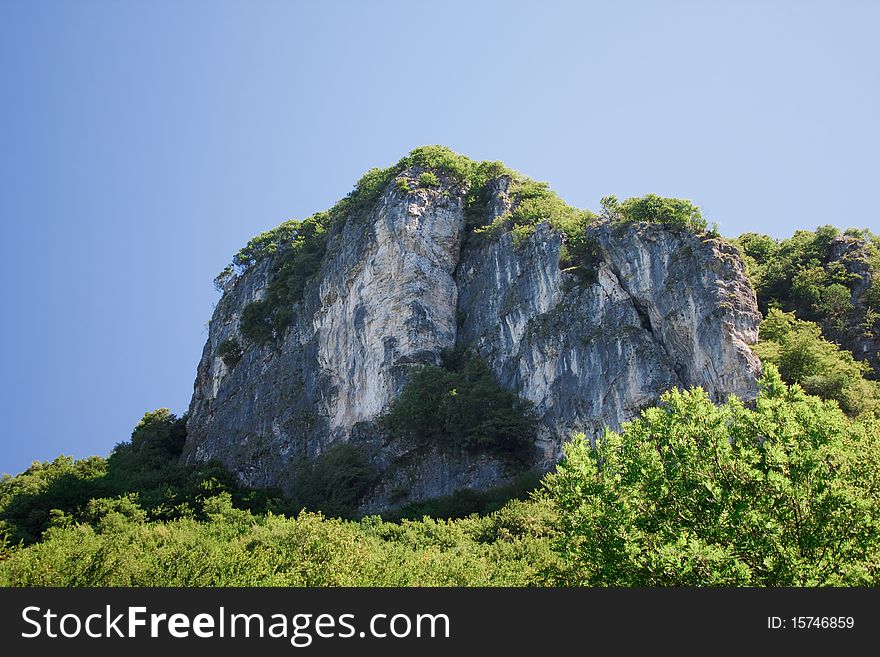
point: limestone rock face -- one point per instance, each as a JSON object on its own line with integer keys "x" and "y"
{"x": 406, "y": 279}
{"x": 388, "y": 304}
{"x": 667, "y": 309}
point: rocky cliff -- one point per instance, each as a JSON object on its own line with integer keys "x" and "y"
{"x": 406, "y": 277}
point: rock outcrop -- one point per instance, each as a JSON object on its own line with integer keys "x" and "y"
{"x": 407, "y": 278}
{"x": 858, "y": 332}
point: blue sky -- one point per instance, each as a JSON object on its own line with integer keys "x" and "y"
{"x": 143, "y": 143}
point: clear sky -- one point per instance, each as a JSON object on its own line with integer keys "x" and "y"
{"x": 143, "y": 143}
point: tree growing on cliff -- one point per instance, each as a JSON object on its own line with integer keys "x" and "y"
{"x": 462, "y": 407}
{"x": 657, "y": 210}
{"x": 822, "y": 368}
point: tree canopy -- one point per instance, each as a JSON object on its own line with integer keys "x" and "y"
{"x": 691, "y": 494}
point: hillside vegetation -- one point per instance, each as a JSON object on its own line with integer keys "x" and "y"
{"x": 828, "y": 277}
{"x": 691, "y": 493}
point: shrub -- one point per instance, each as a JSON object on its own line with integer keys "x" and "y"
{"x": 231, "y": 547}
{"x": 582, "y": 255}
{"x": 461, "y": 406}
{"x": 230, "y": 351}
{"x": 160, "y": 431}
{"x": 147, "y": 469}
{"x": 822, "y": 368}
{"x": 334, "y": 482}
{"x": 27, "y": 500}
{"x": 256, "y": 323}
{"x": 428, "y": 179}
{"x": 655, "y": 209}
{"x": 803, "y": 274}
{"x": 293, "y": 266}
{"x": 532, "y": 204}
{"x": 265, "y": 244}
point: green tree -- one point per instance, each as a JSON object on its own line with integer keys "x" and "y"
{"x": 691, "y": 493}
{"x": 804, "y": 357}
{"x": 819, "y": 276}
{"x": 655, "y": 209}
{"x": 160, "y": 431}
{"x": 462, "y": 407}
{"x": 147, "y": 469}
{"x": 335, "y": 482}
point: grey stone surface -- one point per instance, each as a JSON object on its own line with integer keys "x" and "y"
{"x": 405, "y": 280}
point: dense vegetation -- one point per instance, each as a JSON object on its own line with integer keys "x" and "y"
{"x": 819, "y": 275}
{"x": 657, "y": 210}
{"x": 786, "y": 493}
{"x": 230, "y": 351}
{"x": 821, "y": 367}
{"x": 460, "y": 406}
{"x": 144, "y": 473}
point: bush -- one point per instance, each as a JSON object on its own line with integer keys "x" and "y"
{"x": 534, "y": 203}
{"x": 428, "y": 179}
{"x": 657, "y": 210}
{"x": 232, "y": 547}
{"x": 335, "y": 482}
{"x": 264, "y": 245}
{"x": 691, "y": 494}
{"x": 581, "y": 254}
{"x": 159, "y": 433}
{"x": 304, "y": 246}
{"x": 230, "y": 351}
{"x": 461, "y": 406}
{"x": 148, "y": 469}
{"x": 802, "y": 274}
{"x": 27, "y": 500}
{"x": 822, "y": 368}
{"x": 256, "y": 323}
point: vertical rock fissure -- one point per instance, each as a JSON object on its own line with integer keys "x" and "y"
{"x": 645, "y": 321}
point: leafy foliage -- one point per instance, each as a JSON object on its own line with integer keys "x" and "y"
{"x": 691, "y": 493}
{"x": 235, "y": 547}
{"x": 28, "y": 500}
{"x": 534, "y": 203}
{"x": 802, "y": 274}
{"x": 787, "y": 494}
{"x": 147, "y": 468}
{"x": 461, "y": 406}
{"x": 656, "y": 209}
{"x": 230, "y": 351}
{"x": 822, "y": 368}
{"x": 335, "y": 482}
{"x": 428, "y": 179}
{"x": 304, "y": 244}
